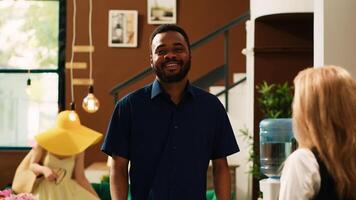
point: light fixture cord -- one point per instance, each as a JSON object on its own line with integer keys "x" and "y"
{"x": 73, "y": 44}
{"x": 90, "y": 42}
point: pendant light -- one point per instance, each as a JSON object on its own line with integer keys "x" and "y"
{"x": 90, "y": 102}
{"x": 72, "y": 114}
{"x": 28, "y": 84}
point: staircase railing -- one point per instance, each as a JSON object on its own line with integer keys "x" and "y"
{"x": 207, "y": 80}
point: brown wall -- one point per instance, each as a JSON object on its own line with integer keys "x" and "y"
{"x": 114, "y": 65}
{"x": 9, "y": 160}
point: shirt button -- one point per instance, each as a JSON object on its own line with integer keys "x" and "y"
{"x": 176, "y": 126}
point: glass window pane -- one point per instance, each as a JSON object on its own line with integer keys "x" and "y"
{"x": 29, "y": 34}
{"x": 26, "y": 113}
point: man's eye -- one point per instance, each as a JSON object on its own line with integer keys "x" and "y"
{"x": 178, "y": 50}
{"x": 161, "y": 52}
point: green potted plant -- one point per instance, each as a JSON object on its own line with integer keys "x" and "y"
{"x": 275, "y": 100}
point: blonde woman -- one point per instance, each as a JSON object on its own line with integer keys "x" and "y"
{"x": 324, "y": 120}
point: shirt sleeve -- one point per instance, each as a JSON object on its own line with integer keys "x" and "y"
{"x": 300, "y": 178}
{"x": 117, "y": 139}
{"x": 225, "y": 143}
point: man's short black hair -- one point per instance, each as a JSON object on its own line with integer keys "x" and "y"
{"x": 170, "y": 27}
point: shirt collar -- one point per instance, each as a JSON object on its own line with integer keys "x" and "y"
{"x": 158, "y": 89}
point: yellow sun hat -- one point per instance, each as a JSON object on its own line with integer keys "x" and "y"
{"x": 68, "y": 137}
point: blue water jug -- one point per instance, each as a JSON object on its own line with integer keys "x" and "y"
{"x": 276, "y": 137}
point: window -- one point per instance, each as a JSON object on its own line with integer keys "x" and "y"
{"x": 31, "y": 47}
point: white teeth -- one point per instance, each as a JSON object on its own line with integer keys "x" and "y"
{"x": 171, "y": 64}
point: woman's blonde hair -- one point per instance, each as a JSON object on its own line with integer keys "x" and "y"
{"x": 324, "y": 117}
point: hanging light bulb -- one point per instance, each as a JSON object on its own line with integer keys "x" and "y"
{"x": 72, "y": 114}
{"x": 28, "y": 87}
{"x": 90, "y": 102}
{"x": 28, "y": 84}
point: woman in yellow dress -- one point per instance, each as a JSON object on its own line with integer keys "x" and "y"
{"x": 58, "y": 159}
{"x": 62, "y": 177}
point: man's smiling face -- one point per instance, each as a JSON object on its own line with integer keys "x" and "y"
{"x": 170, "y": 56}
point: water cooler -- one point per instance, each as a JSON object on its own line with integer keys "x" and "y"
{"x": 275, "y": 145}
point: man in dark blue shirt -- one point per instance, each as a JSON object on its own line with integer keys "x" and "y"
{"x": 169, "y": 131}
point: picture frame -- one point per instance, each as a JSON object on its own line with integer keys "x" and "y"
{"x": 123, "y": 28}
{"x": 162, "y": 11}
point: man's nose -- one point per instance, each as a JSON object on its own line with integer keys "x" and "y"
{"x": 170, "y": 55}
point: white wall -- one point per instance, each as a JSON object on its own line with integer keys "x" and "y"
{"x": 335, "y": 34}
{"x": 318, "y": 33}
{"x": 267, "y": 7}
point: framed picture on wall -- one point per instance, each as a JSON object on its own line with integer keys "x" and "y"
{"x": 123, "y": 28}
{"x": 162, "y": 11}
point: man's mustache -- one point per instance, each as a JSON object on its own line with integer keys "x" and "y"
{"x": 172, "y": 60}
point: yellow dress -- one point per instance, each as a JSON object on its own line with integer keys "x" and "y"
{"x": 65, "y": 187}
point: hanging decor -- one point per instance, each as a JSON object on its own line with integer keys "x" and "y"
{"x": 162, "y": 11}
{"x": 123, "y": 28}
{"x": 90, "y": 102}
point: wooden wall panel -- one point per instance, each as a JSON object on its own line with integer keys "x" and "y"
{"x": 9, "y": 160}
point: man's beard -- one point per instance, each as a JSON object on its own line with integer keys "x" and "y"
{"x": 175, "y": 77}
